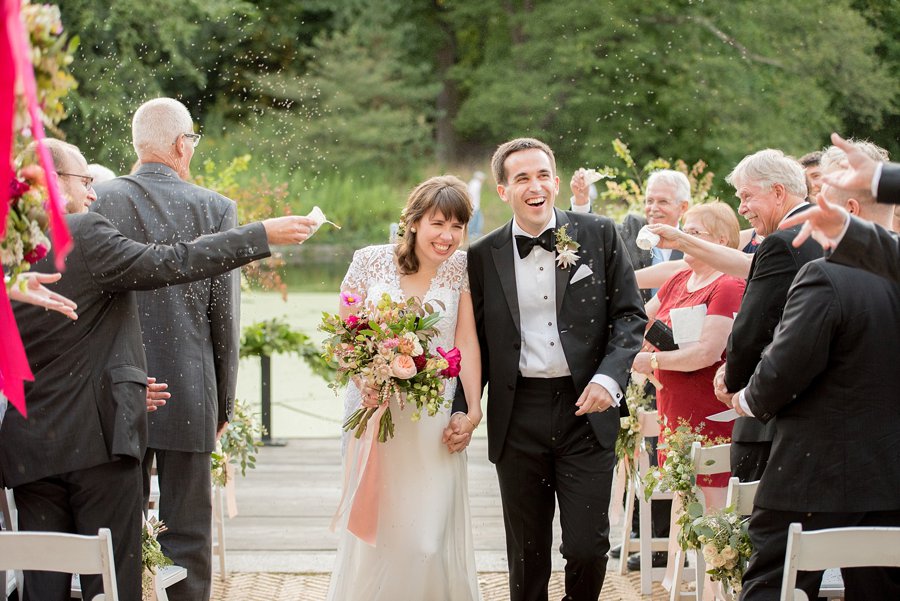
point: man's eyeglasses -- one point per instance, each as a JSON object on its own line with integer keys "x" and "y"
{"x": 87, "y": 180}
{"x": 194, "y": 138}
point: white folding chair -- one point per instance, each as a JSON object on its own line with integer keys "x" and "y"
{"x": 218, "y": 529}
{"x": 707, "y": 461}
{"x": 13, "y": 579}
{"x": 836, "y": 548}
{"x": 741, "y": 495}
{"x": 59, "y": 552}
{"x": 645, "y": 544}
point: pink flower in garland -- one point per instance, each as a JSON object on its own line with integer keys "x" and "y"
{"x": 453, "y": 358}
{"x": 17, "y": 188}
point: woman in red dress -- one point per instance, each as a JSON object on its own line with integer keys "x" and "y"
{"x": 687, "y": 373}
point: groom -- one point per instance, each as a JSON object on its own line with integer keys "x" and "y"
{"x": 557, "y": 342}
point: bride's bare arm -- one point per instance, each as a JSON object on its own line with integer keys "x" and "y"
{"x": 470, "y": 368}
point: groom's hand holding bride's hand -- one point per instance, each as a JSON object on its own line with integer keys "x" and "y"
{"x": 458, "y": 433}
{"x": 594, "y": 399}
{"x": 291, "y": 229}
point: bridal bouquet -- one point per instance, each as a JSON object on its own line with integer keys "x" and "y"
{"x": 386, "y": 346}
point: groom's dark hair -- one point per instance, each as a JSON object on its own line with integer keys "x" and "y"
{"x": 507, "y": 148}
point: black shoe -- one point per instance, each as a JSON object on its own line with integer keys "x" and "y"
{"x": 657, "y": 560}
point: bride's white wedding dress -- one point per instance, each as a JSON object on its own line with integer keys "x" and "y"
{"x": 423, "y": 546}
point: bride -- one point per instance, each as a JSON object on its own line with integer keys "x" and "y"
{"x": 423, "y": 539}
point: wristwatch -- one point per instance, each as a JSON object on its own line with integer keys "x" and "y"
{"x": 654, "y": 362}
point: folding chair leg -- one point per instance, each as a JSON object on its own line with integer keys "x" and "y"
{"x": 627, "y": 517}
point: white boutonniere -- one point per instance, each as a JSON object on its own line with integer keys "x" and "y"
{"x": 565, "y": 249}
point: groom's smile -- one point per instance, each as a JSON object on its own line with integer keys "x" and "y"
{"x": 530, "y": 189}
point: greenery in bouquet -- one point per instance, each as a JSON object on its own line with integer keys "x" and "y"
{"x": 629, "y": 438}
{"x": 627, "y": 194}
{"x": 238, "y": 445}
{"x": 725, "y": 544}
{"x": 274, "y": 336}
{"x": 386, "y": 346}
{"x": 152, "y": 557}
{"x": 25, "y": 242}
{"x": 677, "y": 475}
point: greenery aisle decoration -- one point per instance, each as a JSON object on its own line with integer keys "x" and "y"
{"x": 152, "y": 557}
{"x": 629, "y": 438}
{"x": 725, "y": 544}
{"x": 677, "y": 475}
{"x": 238, "y": 445}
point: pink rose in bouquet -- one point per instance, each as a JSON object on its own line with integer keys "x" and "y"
{"x": 403, "y": 367}
{"x": 453, "y": 358}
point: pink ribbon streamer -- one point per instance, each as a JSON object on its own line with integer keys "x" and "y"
{"x": 363, "y": 520}
{"x": 14, "y": 369}
{"x": 59, "y": 232}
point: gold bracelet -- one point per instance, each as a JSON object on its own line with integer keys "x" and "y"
{"x": 469, "y": 419}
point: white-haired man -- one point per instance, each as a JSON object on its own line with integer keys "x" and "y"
{"x": 771, "y": 187}
{"x": 74, "y": 463}
{"x": 191, "y": 331}
{"x": 833, "y": 389}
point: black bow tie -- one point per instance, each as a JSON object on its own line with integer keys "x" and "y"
{"x": 526, "y": 243}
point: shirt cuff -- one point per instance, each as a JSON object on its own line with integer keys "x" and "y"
{"x": 876, "y": 178}
{"x": 585, "y": 208}
{"x": 611, "y": 386}
{"x": 743, "y": 402}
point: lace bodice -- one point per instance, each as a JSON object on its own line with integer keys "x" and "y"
{"x": 374, "y": 272}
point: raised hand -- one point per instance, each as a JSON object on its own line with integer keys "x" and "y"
{"x": 580, "y": 189}
{"x": 857, "y": 174}
{"x": 291, "y": 229}
{"x": 824, "y": 223}
{"x": 35, "y": 293}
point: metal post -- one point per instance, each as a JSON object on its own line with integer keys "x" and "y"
{"x": 265, "y": 363}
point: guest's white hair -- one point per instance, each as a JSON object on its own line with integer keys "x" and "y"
{"x": 100, "y": 173}
{"x": 670, "y": 177}
{"x": 833, "y": 156}
{"x": 767, "y": 168}
{"x": 157, "y": 124}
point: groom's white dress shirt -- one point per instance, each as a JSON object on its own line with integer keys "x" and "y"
{"x": 542, "y": 355}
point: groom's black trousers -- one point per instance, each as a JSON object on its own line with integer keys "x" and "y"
{"x": 549, "y": 454}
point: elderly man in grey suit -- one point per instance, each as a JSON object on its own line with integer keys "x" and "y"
{"x": 74, "y": 464}
{"x": 191, "y": 331}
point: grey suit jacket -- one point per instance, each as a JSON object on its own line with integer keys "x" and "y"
{"x": 87, "y": 402}
{"x": 191, "y": 331}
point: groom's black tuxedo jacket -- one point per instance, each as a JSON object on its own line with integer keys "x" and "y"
{"x": 600, "y": 318}
{"x": 86, "y": 405}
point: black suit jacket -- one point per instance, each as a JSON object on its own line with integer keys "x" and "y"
{"x": 871, "y": 247}
{"x": 772, "y": 271}
{"x": 832, "y": 380}
{"x": 600, "y": 318}
{"x": 87, "y": 403}
{"x": 889, "y": 184}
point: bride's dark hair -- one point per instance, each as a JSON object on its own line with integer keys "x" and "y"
{"x": 445, "y": 194}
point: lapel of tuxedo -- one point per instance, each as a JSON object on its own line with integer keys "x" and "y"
{"x": 502, "y": 253}
{"x": 563, "y": 275}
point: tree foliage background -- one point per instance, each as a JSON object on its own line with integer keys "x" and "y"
{"x": 400, "y": 88}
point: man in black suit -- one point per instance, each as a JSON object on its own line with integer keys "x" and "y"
{"x": 771, "y": 186}
{"x": 830, "y": 377}
{"x": 74, "y": 464}
{"x": 556, "y": 341}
